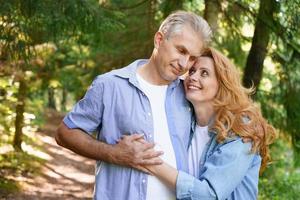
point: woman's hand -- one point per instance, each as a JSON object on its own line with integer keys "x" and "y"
{"x": 141, "y": 154}
{"x": 146, "y": 159}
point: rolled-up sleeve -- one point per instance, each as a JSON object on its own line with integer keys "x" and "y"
{"x": 222, "y": 173}
{"x": 87, "y": 113}
{"x": 189, "y": 187}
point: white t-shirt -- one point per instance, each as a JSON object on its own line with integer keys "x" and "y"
{"x": 156, "y": 95}
{"x": 199, "y": 140}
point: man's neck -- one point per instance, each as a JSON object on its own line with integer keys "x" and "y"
{"x": 149, "y": 73}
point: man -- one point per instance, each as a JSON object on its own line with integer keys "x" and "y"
{"x": 145, "y": 97}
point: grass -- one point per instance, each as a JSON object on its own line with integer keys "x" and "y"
{"x": 8, "y": 186}
{"x": 281, "y": 180}
{"x": 14, "y": 165}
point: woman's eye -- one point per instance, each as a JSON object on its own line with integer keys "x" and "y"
{"x": 204, "y": 73}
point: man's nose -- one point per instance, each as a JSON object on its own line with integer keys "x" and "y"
{"x": 183, "y": 62}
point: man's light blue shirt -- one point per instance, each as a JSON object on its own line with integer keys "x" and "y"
{"x": 113, "y": 106}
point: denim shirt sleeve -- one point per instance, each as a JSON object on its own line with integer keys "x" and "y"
{"x": 87, "y": 113}
{"x": 223, "y": 171}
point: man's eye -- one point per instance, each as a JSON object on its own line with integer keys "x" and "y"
{"x": 191, "y": 71}
{"x": 181, "y": 51}
{"x": 193, "y": 58}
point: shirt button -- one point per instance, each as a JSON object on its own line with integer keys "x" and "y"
{"x": 150, "y": 136}
{"x": 143, "y": 181}
{"x": 149, "y": 114}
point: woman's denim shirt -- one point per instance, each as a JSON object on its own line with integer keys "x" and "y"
{"x": 228, "y": 170}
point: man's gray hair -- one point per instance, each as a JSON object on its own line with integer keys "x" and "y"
{"x": 175, "y": 22}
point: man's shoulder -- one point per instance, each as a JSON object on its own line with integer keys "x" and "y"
{"x": 110, "y": 76}
{"x": 120, "y": 73}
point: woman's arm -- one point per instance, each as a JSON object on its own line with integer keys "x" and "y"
{"x": 166, "y": 173}
{"x": 229, "y": 169}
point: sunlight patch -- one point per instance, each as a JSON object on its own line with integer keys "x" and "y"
{"x": 35, "y": 152}
{"x": 5, "y": 149}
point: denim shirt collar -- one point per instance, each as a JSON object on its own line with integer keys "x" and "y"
{"x": 211, "y": 132}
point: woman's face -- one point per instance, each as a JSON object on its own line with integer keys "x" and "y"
{"x": 201, "y": 85}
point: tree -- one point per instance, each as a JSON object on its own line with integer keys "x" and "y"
{"x": 211, "y": 13}
{"x": 168, "y": 6}
{"x": 26, "y": 23}
{"x": 264, "y": 22}
{"x": 20, "y": 108}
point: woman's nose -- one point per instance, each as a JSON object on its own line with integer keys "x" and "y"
{"x": 194, "y": 76}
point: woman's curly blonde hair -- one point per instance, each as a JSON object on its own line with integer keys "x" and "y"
{"x": 236, "y": 112}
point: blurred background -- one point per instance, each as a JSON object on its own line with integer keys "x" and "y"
{"x": 51, "y": 50}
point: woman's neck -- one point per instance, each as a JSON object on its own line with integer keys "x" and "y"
{"x": 204, "y": 113}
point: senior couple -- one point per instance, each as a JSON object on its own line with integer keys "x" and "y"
{"x": 161, "y": 137}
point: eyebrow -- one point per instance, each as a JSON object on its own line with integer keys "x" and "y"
{"x": 204, "y": 68}
{"x": 182, "y": 47}
{"x": 185, "y": 49}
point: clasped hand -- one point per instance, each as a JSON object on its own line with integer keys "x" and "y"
{"x": 134, "y": 151}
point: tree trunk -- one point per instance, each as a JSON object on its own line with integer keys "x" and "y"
{"x": 172, "y": 5}
{"x": 211, "y": 13}
{"x": 151, "y": 28}
{"x": 291, "y": 90}
{"x": 19, "y": 122}
{"x": 254, "y": 66}
{"x": 64, "y": 99}
{"x": 293, "y": 121}
{"x": 51, "y": 100}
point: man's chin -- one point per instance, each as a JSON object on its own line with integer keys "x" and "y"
{"x": 173, "y": 77}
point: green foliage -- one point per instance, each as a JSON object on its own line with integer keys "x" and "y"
{"x": 281, "y": 180}
{"x": 7, "y": 104}
{"x": 18, "y": 164}
{"x": 62, "y": 45}
{"x": 8, "y": 186}
{"x": 21, "y": 163}
{"x": 26, "y": 23}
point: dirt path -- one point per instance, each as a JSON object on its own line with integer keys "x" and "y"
{"x": 65, "y": 175}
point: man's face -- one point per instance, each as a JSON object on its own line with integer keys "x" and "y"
{"x": 176, "y": 54}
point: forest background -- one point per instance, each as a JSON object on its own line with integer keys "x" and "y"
{"x": 51, "y": 50}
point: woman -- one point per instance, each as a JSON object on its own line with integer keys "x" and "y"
{"x": 230, "y": 139}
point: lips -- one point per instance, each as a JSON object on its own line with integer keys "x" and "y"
{"x": 177, "y": 71}
{"x": 193, "y": 87}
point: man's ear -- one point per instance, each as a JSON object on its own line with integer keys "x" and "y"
{"x": 158, "y": 39}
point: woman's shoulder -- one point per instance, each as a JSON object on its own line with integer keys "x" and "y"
{"x": 234, "y": 142}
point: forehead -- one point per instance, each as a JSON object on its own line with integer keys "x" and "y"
{"x": 188, "y": 39}
{"x": 205, "y": 62}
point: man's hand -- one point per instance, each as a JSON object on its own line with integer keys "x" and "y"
{"x": 134, "y": 151}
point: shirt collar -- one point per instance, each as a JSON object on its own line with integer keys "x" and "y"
{"x": 129, "y": 73}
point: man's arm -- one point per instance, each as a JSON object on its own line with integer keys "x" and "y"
{"x": 127, "y": 153}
